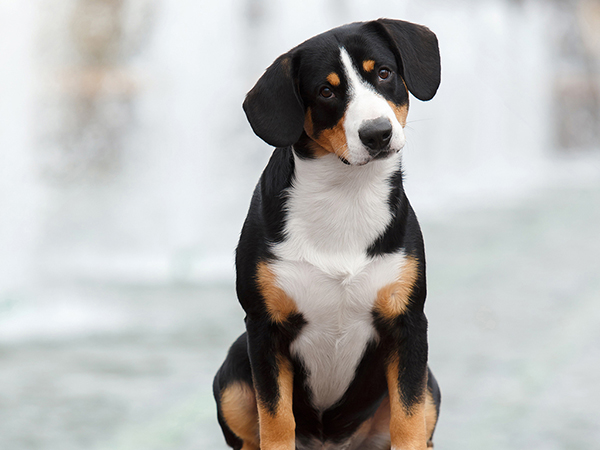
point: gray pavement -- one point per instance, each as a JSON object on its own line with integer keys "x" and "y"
{"x": 514, "y": 309}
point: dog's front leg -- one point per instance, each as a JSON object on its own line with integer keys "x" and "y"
{"x": 408, "y": 428}
{"x": 402, "y": 324}
{"x": 273, "y": 382}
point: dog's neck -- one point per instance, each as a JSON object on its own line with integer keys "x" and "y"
{"x": 336, "y": 211}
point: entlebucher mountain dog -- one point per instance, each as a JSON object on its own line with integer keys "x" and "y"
{"x": 330, "y": 262}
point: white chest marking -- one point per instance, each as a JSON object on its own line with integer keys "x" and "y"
{"x": 334, "y": 213}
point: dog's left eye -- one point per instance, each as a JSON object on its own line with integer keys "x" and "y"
{"x": 326, "y": 92}
{"x": 384, "y": 73}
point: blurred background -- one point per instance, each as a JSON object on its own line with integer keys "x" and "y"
{"x": 127, "y": 165}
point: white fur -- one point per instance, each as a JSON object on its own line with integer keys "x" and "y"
{"x": 365, "y": 104}
{"x": 335, "y": 212}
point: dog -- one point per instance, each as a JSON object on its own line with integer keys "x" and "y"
{"x": 330, "y": 263}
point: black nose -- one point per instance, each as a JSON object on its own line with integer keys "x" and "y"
{"x": 376, "y": 134}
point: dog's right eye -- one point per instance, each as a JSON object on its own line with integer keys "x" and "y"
{"x": 384, "y": 73}
{"x": 326, "y": 92}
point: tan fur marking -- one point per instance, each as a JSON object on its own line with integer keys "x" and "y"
{"x": 368, "y": 65}
{"x": 317, "y": 150}
{"x": 279, "y": 304}
{"x": 308, "y": 123}
{"x": 393, "y": 300}
{"x": 238, "y": 405}
{"x": 407, "y": 428}
{"x": 430, "y": 416}
{"x": 330, "y": 140}
{"x": 278, "y": 431}
{"x": 333, "y": 79}
{"x": 401, "y": 111}
{"x": 334, "y": 139}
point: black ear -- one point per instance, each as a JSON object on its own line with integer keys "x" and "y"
{"x": 273, "y": 107}
{"x": 417, "y": 49}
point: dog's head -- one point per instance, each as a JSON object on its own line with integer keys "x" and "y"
{"x": 346, "y": 91}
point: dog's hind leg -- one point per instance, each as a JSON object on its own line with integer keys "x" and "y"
{"x": 237, "y": 411}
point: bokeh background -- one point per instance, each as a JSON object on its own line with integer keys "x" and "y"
{"x": 127, "y": 165}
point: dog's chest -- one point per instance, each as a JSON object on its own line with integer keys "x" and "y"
{"x": 324, "y": 267}
{"x": 337, "y": 308}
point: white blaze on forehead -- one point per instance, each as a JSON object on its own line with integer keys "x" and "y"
{"x": 364, "y": 104}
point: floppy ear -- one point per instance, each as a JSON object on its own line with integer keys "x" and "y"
{"x": 417, "y": 49}
{"x": 273, "y": 107}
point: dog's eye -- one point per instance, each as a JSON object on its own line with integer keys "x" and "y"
{"x": 326, "y": 92}
{"x": 384, "y": 73}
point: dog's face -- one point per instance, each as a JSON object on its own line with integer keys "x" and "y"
{"x": 346, "y": 91}
{"x": 355, "y": 103}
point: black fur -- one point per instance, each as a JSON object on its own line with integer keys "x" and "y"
{"x": 273, "y": 107}
{"x": 416, "y": 49}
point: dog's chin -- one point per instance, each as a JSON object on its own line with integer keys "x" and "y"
{"x": 383, "y": 154}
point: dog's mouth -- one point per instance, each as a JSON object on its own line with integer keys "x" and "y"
{"x": 383, "y": 154}
{"x": 373, "y": 156}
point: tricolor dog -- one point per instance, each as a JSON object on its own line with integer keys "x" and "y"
{"x": 330, "y": 262}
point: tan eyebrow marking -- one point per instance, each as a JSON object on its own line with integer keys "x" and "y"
{"x": 333, "y": 79}
{"x": 368, "y": 65}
